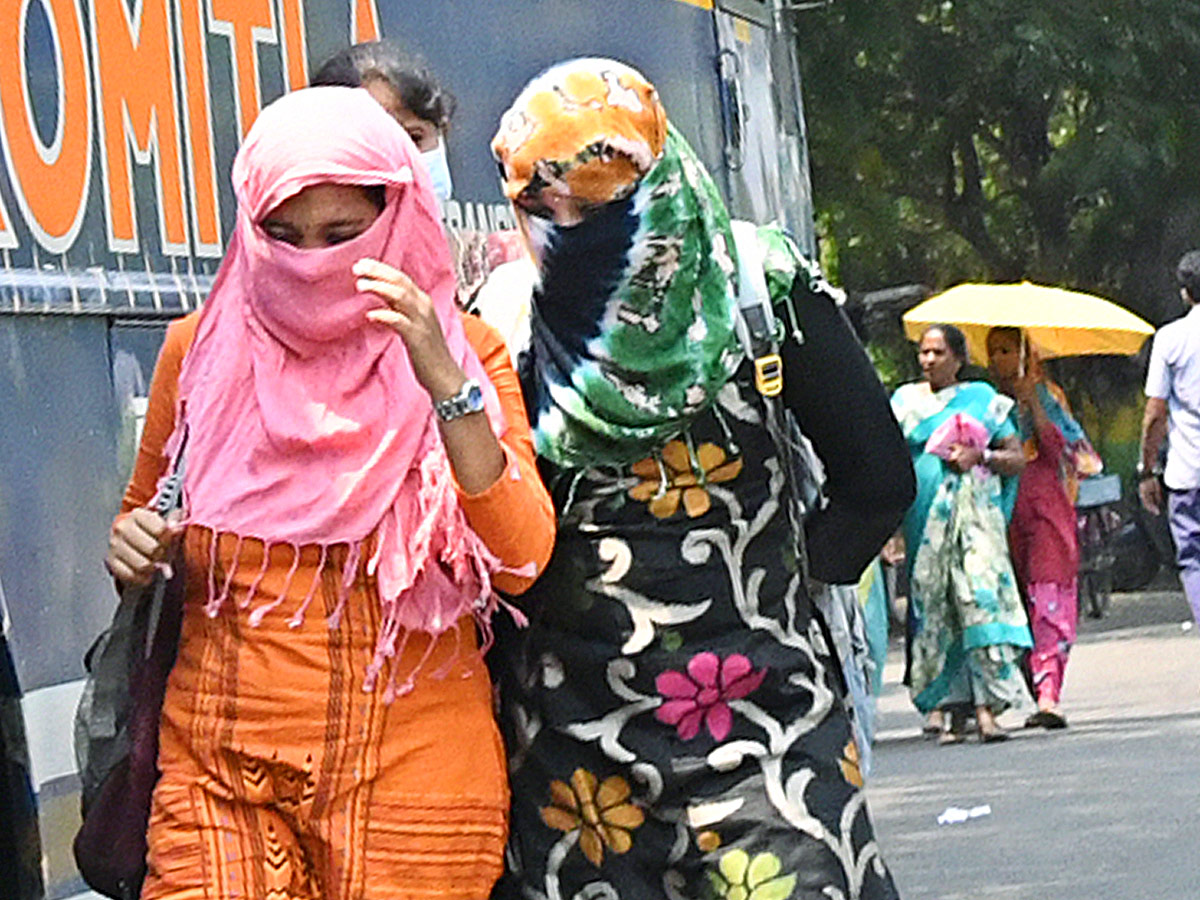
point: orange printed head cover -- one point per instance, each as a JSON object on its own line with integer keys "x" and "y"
{"x": 590, "y": 129}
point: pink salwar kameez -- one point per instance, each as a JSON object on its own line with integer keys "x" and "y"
{"x": 1045, "y": 556}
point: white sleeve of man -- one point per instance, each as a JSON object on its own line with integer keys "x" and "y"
{"x": 1158, "y": 374}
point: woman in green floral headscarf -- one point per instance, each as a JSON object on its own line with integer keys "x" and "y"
{"x": 676, "y": 720}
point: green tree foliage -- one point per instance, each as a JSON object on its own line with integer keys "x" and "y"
{"x": 1007, "y": 139}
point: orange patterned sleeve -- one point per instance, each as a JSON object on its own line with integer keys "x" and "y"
{"x": 514, "y": 516}
{"x": 160, "y": 414}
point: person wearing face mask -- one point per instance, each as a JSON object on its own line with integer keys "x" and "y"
{"x": 408, "y": 90}
{"x": 359, "y": 474}
{"x": 675, "y": 718}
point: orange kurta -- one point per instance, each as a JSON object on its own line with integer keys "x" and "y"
{"x": 281, "y": 777}
{"x": 514, "y": 516}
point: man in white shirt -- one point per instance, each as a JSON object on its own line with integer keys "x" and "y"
{"x": 1173, "y": 411}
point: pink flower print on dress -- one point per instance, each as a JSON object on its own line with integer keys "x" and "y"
{"x": 701, "y": 694}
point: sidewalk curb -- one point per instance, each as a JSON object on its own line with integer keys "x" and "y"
{"x": 1169, "y": 629}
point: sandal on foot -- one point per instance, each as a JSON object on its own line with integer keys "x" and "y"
{"x": 1054, "y": 720}
{"x": 1050, "y": 719}
{"x": 955, "y": 731}
{"x": 993, "y": 735}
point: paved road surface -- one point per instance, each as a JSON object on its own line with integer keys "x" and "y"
{"x": 1108, "y": 810}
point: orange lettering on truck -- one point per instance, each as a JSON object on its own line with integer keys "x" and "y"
{"x": 137, "y": 92}
{"x": 53, "y": 216}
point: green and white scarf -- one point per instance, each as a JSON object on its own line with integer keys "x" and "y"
{"x": 633, "y": 327}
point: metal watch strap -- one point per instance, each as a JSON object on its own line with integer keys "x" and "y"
{"x": 467, "y": 400}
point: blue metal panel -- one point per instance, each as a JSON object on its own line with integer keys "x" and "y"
{"x": 66, "y": 386}
{"x": 486, "y": 54}
{"x": 59, "y": 488}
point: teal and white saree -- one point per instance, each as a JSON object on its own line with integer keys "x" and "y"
{"x": 967, "y": 624}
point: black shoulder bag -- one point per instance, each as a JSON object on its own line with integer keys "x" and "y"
{"x": 116, "y": 723}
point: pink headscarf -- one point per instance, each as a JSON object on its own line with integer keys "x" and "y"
{"x": 305, "y": 423}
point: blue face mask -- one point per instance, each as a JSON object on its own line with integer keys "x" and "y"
{"x": 438, "y": 167}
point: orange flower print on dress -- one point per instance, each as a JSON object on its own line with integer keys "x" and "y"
{"x": 851, "y": 769}
{"x": 663, "y": 488}
{"x": 600, "y": 812}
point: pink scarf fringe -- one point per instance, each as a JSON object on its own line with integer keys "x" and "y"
{"x": 443, "y": 558}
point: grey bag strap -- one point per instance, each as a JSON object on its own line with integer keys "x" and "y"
{"x": 169, "y": 499}
{"x": 114, "y": 657}
{"x": 756, "y": 318}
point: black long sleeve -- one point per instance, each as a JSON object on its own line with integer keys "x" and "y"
{"x": 832, "y": 389}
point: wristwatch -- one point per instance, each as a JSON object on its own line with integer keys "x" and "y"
{"x": 469, "y": 399}
{"x": 1143, "y": 473}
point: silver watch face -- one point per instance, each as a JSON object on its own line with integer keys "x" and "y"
{"x": 469, "y": 399}
{"x": 474, "y": 398}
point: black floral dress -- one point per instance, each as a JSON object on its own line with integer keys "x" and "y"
{"x": 675, "y": 719}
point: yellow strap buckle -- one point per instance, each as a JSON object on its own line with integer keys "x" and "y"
{"x": 768, "y": 374}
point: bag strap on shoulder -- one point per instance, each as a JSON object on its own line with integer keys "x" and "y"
{"x": 756, "y": 318}
{"x": 169, "y": 499}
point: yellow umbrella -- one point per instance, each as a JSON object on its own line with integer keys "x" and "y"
{"x": 1058, "y": 322}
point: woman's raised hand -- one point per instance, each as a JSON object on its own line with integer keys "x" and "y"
{"x": 471, "y": 445}
{"x": 411, "y": 314}
{"x": 963, "y": 458}
{"x": 138, "y": 545}
{"x": 1025, "y": 389}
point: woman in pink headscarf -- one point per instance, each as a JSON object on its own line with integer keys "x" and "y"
{"x": 358, "y": 475}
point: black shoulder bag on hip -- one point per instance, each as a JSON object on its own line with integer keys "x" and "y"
{"x": 116, "y": 723}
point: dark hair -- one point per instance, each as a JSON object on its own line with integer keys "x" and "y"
{"x": 419, "y": 91}
{"x": 1017, "y": 334}
{"x": 1008, "y": 331}
{"x": 955, "y": 340}
{"x": 377, "y": 194}
{"x": 1187, "y": 273}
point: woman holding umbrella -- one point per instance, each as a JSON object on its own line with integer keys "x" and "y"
{"x": 967, "y": 626}
{"x": 1042, "y": 537}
